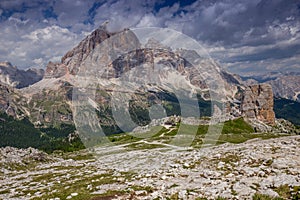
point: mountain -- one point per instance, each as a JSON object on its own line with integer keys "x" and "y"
{"x": 286, "y": 89}
{"x": 50, "y": 106}
{"x": 15, "y": 77}
{"x": 287, "y": 86}
{"x": 71, "y": 61}
{"x": 154, "y": 52}
{"x": 284, "y": 85}
{"x": 49, "y": 100}
{"x": 12, "y": 102}
{"x": 287, "y": 109}
{"x": 257, "y": 103}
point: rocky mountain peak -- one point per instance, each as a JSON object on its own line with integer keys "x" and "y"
{"x": 86, "y": 45}
{"x": 6, "y": 64}
{"x": 12, "y": 76}
{"x": 71, "y": 61}
{"x": 255, "y": 102}
{"x": 284, "y": 84}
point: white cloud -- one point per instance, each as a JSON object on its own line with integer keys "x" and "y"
{"x": 148, "y": 21}
{"x": 18, "y": 21}
{"x": 248, "y": 68}
{"x": 38, "y": 47}
{"x": 38, "y": 61}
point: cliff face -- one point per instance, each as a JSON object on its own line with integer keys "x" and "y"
{"x": 15, "y": 77}
{"x": 284, "y": 84}
{"x": 286, "y": 87}
{"x": 12, "y": 102}
{"x": 257, "y": 103}
{"x": 71, "y": 61}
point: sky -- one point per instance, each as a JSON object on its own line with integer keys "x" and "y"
{"x": 244, "y": 36}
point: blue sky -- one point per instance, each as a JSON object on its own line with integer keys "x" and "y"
{"x": 243, "y": 36}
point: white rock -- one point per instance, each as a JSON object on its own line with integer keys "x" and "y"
{"x": 140, "y": 192}
{"x": 182, "y": 194}
{"x": 89, "y": 187}
{"x": 120, "y": 179}
{"x": 74, "y": 194}
{"x": 221, "y": 165}
{"x": 243, "y": 190}
{"x": 269, "y": 192}
{"x": 186, "y": 165}
{"x": 144, "y": 180}
{"x": 174, "y": 165}
{"x": 155, "y": 194}
{"x": 230, "y": 175}
{"x": 261, "y": 174}
{"x": 218, "y": 155}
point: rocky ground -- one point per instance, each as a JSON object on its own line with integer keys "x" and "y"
{"x": 254, "y": 168}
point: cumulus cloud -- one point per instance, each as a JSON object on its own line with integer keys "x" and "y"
{"x": 282, "y": 43}
{"x": 37, "y": 47}
{"x": 248, "y": 68}
{"x": 122, "y": 14}
{"x": 241, "y": 32}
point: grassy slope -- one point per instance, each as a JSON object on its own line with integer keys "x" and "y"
{"x": 23, "y": 134}
{"x": 234, "y": 131}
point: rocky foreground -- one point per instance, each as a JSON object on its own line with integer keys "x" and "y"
{"x": 256, "y": 167}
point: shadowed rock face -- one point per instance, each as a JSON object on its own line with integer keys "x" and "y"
{"x": 284, "y": 84}
{"x": 287, "y": 87}
{"x": 257, "y": 103}
{"x": 15, "y": 77}
{"x": 11, "y": 101}
{"x": 4, "y": 100}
